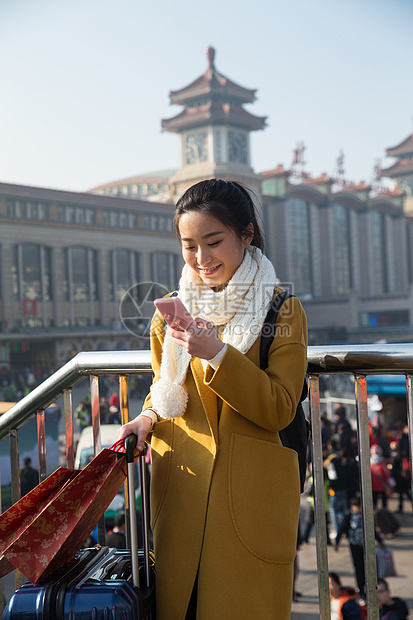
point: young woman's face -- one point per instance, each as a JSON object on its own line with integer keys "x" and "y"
{"x": 211, "y": 249}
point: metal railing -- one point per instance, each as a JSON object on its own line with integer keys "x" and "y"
{"x": 357, "y": 360}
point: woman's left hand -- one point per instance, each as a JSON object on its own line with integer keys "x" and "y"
{"x": 200, "y": 341}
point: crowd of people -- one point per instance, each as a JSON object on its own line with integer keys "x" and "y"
{"x": 390, "y": 474}
{"x": 17, "y": 383}
{"x": 109, "y": 403}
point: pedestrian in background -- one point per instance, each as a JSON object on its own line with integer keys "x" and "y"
{"x": 352, "y": 526}
{"x": 343, "y": 600}
{"x": 391, "y": 607}
{"x": 29, "y": 477}
{"x": 117, "y": 536}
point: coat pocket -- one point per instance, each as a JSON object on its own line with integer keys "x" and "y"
{"x": 264, "y": 497}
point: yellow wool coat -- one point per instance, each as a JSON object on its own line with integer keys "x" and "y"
{"x": 225, "y": 493}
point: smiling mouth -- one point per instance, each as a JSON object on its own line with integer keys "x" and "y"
{"x": 208, "y": 272}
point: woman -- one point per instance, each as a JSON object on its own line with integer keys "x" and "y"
{"x": 224, "y": 491}
{"x": 381, "y": 478}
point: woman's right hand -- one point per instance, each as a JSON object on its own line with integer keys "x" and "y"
{"x": 141, "y": 426}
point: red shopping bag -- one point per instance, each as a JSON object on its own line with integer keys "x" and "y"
{"x": 23, "y": 513}
{"x": 64, "y": 524}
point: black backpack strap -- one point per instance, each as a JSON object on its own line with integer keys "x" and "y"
{"x": 268, "y": 333}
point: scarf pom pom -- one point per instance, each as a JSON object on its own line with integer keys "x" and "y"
{"x": 169, "y": 398}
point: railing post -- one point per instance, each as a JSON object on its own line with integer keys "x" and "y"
{"x": 41, "y": 444}
{"x": 15, "y": 486}
{"x": 319, "y": 499}
{"x": 97, "y": 443}
{"x": 130, "y": 503}
{"x": 69, "y": 435}
{"x": 14, "y": 466}
{"x": 1, "y": 580}
{"x": 409, "y": 397}
{"x": 370, "y": 567}
{"x": 94, "y": 397}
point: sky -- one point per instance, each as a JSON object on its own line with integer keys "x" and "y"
{"x": 84, "y": 84}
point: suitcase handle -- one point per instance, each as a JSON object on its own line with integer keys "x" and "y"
{"x": 130, "y": 445}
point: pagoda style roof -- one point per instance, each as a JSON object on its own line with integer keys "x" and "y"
{"x": 402, "y": 149}
{"x": 214, "y": 113}
{"x": 213, "y": 99}
{"x": 212, "y": 83}
{"x": 399, "y": 169}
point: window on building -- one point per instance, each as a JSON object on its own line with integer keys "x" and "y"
{"x": 119, "y": 219}
{"x": 162, "y": 223}
{"x": 123, "y": 219}
{"x": 70, "y": 214}
{"x": 378, "y": 253}
{"x": 90, "y": 216}
{"x": 124, "y": 273}
{"x": 80, "y": 281}
{"x": 31, "y": 272}
{"x": 165, "y": 269}
{"x": 341, "y": 249}
{"x": 300, "y": 246}
{"x": 27, "y": 209}
{"x": 410, "y": 249}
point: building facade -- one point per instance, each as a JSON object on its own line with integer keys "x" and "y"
{"x": 346, "y": 253}
{"x": 76, "y": 272}
{"x": 79, "y": 271}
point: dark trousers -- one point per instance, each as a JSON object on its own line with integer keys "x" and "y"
{"x": 358, "y": 562}
{"x": 383, "y": 497}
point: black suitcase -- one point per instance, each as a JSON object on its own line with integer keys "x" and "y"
{"x": 100, "y": 583}
{"x": 386, "y": 521}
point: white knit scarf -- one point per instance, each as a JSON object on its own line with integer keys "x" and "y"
{"x": 240, "y": 309}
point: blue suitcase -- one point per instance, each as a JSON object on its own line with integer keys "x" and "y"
{"x": 100, "y": 583}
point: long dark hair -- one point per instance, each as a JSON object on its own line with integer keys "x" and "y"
{"x": 229, "y": 201}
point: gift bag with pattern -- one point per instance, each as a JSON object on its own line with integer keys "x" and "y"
{"x": 64, "y": 524}
{"x": 15, "y": 520}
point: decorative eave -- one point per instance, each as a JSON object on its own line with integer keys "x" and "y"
{"x": 323, "y": 179}
{"x": 402, "y": 149}
{"x": 277, "y": 172}
{"x": 212, "y": 84}
{"x": 216, "y": 114}
{"x": 399, "y": 169}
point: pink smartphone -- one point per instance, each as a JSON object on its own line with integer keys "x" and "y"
{"x": 174, "y": 307}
